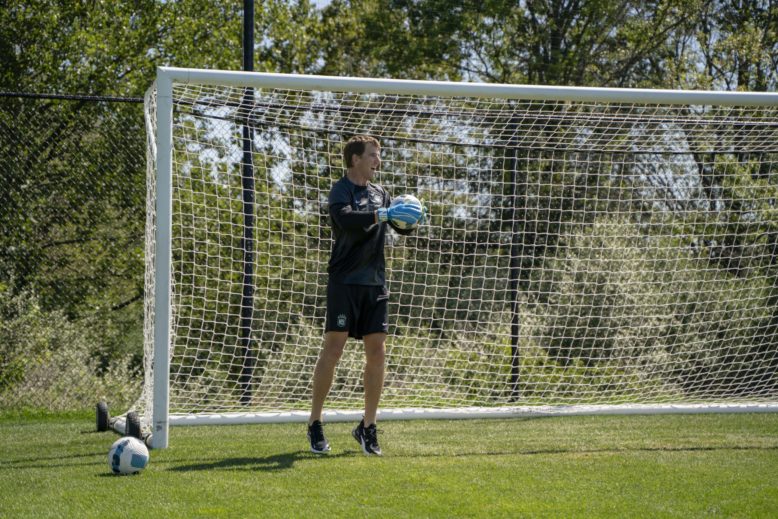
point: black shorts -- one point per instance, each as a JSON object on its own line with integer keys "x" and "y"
{"x": 358, "y": 309}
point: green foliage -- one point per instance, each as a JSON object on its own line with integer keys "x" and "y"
{"x": 49, "y": 361}
{"x": 74, "y": 175}
{"x": 740, "y": 45}
{"x": 621, "y": 298}
{"x": 73, "y": 199}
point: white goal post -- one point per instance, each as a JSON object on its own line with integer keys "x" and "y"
{"x": 589, "y": 250}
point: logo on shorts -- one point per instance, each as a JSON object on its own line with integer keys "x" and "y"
{"x": 342, "y": 321}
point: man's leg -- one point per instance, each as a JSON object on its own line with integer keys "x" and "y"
{"x": 375, "y": 354}
{"x": 366, "y": 432}
{"x": 325, "y": 371}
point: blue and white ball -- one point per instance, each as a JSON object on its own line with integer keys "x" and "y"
{"x": 128, "y": 455}
{"x": 412, "y": 216}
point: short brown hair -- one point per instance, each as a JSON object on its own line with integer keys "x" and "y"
{"x": 356, "y": 146}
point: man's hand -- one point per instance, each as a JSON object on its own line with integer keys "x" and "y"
{"x": 408, "y": 214}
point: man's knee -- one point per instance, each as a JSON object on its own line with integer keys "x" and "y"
{"x": 334, "y": 342}
{"x": 375, "y": 348}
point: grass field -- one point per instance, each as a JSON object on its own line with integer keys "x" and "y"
{"x": 616, "y": 466}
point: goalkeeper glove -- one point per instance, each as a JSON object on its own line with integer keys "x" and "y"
{"x": 409, "y": 214}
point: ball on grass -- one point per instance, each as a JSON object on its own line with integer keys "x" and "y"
{"x": 128, "y": 455}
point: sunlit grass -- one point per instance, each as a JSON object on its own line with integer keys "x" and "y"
{"x": 674, "y": 465}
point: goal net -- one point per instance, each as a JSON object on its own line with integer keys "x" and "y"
{"x": 588, "y": 250}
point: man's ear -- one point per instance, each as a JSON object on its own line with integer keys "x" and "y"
{"x": 354, "y": 159}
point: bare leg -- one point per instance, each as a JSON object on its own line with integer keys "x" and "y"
{"x": 325, "y": 371}
{"x": 375, "y": 353}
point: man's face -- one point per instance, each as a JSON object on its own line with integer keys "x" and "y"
{"x": 368, "y": 163}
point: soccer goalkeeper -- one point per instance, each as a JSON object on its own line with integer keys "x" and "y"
{"x": 357, "y": 298}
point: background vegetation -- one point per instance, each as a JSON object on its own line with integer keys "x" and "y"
{"x": 72, "y": 192}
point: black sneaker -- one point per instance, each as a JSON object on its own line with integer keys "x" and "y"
{"x": 367, "y": 438}
{"x": 319, "y": 444}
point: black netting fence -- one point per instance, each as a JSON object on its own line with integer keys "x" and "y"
{"x": 72, "y": 204}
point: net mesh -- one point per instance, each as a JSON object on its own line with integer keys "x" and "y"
{"x": 577, "y": 253}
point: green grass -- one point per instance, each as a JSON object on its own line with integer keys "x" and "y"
{"x": 616, "y": 466}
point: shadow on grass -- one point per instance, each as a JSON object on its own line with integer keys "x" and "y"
{"x": 62, "y": 460}
{"x": 267, "y": 463}
{"x": 285, "y": 461}
{"x": 572, "y": 450}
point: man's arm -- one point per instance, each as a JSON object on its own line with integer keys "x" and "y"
{"x": 347, "y": 218}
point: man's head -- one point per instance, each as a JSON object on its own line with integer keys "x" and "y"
{"x": 357, "y": 145}
{"x": 362, "y": 155}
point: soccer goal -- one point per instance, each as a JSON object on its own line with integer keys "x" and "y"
{"x": 588, "y": 250}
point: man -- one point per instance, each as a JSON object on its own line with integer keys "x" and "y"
{"x": 357, "y": 298}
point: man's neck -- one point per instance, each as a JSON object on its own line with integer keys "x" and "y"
{"x": 355, "y": 178}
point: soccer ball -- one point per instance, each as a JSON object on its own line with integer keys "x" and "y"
{"x": 128, "y": 455}
{"x": 403, "y": 223}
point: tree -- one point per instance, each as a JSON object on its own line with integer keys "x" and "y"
{"x": 737, "y": 45}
